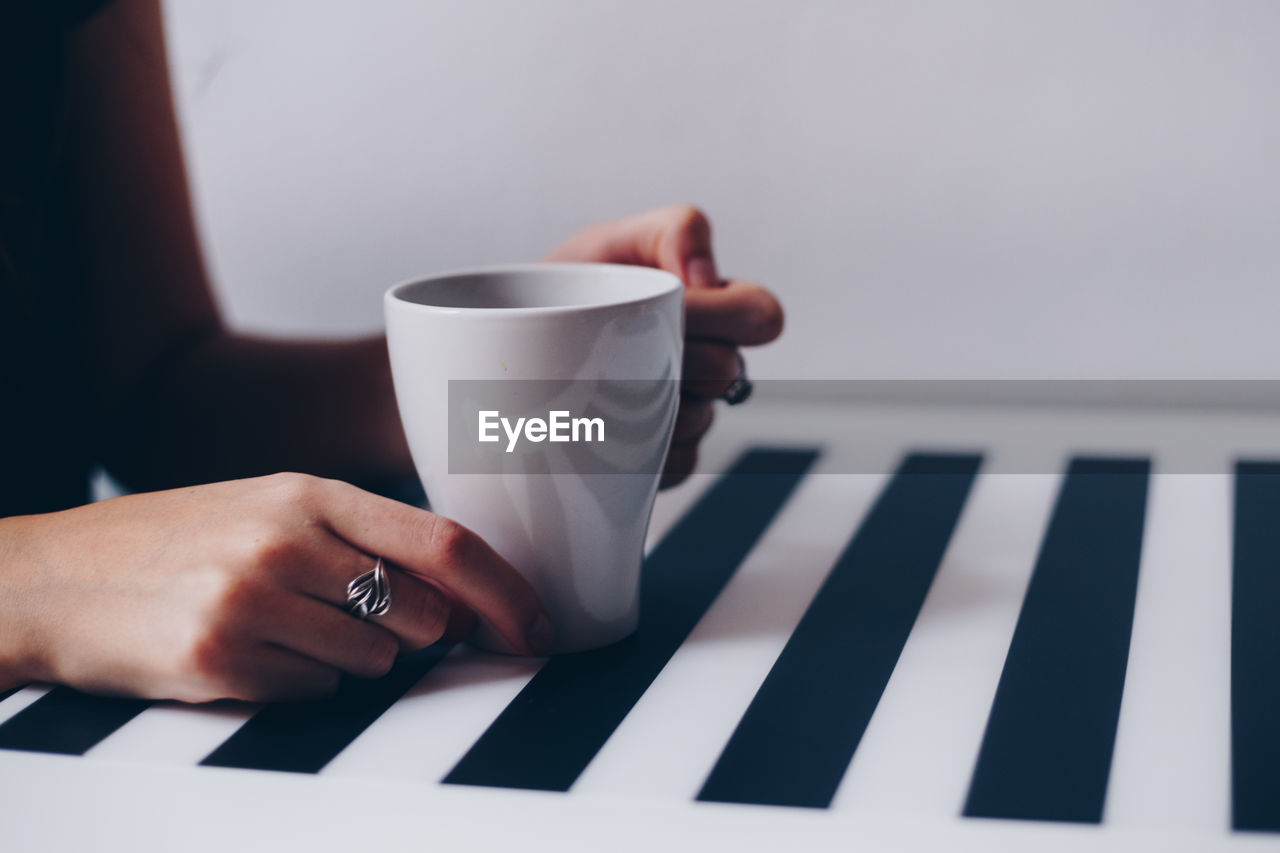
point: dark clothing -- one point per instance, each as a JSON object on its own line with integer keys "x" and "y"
{"x": 46, "y": 433}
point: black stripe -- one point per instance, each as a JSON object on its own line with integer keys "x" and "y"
{"x": 796, "y": 738}
{"x": 1047, "y": 749}
{"x": 68, "y": 722}
{"x": 302, "y": 737}
{"x": 1255, "y": 649}
{"x": 550, "y": 732}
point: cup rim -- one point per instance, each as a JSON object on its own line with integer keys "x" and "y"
{"x": 393, "y": 297}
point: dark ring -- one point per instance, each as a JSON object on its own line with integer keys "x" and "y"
{"x": 740, "y": 388}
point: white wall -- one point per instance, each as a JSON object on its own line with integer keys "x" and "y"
{"x": 936, "y": 189}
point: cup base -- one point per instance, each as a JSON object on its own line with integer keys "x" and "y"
{"x": 568, "y": 642}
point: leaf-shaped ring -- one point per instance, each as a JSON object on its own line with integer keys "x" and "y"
{"x": 370, "y": 593}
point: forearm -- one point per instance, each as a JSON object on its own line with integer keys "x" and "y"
{"x": 179, "y": 400}
{"x": 233, "y": 406}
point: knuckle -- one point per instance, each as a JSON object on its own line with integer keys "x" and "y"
{"x": 293, "y": 489}
{"x": 326, "y": 489}
{"x": 449, "y": 541}
{"x": 692, "y": 217}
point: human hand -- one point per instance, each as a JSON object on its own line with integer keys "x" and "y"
{"x": 238, "y": 590}
{"x": 720, "y": 315}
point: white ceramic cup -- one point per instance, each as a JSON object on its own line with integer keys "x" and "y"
{"x": 601, "y": 339}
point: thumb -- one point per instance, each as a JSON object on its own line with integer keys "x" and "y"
{"x": 676, "y": 239}
{"x": 687, "y": 232}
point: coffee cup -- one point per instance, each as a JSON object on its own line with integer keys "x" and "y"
{"x": 539, "y": 401}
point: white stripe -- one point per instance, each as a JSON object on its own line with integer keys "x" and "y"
{"x": 424, "y": 734}
{"x": 671, "y": 739}
{"x": 1171, "y": 766}
{"x": 173, "y": 733}
{"x": 918, "y": 752}
{"x": 24, "y": 697}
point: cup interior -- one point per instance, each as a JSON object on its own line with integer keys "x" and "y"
{"x": 537, "y": 287}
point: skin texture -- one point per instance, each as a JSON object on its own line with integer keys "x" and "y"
{"x": 223, "y": 578}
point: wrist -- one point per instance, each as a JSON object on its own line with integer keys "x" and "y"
{"x": 21, "y": 660}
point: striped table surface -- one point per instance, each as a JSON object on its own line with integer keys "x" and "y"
{"x": 869, "y": 624}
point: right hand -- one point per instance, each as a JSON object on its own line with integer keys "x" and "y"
{"x": 236, "y": 590}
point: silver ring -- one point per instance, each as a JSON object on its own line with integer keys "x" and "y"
{"x": 740, "y": 388}
{"x": 370, "y": 593}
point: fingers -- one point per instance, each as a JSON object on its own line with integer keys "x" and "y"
{"x": 446, "y": 555}
{"x": 272, "y": 674}
{"x": 692, "y": 421}
{"x": 684, "y": 244}
{"x": 709, "y": 370}
{"x": 675, "y": 238}
{"x": 330, "y": 636}
{"x": 312, "y": 624}
{"x": 681, "y": 460}
{"x": 742, "y": 313}
{"x": 678, "y": 239}
{"x": 462, "y": 624}
{"x": 253, "y": 671}
{"x": 419, "y": 614}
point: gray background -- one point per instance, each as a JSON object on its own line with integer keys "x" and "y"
{"x": 936, "y": 189}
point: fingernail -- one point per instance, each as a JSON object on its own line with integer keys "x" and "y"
{"x": 542, "y": 635}
{"x": 701, "y": 272}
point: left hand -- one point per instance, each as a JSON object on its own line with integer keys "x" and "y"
{"x": 720, "y": 314}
